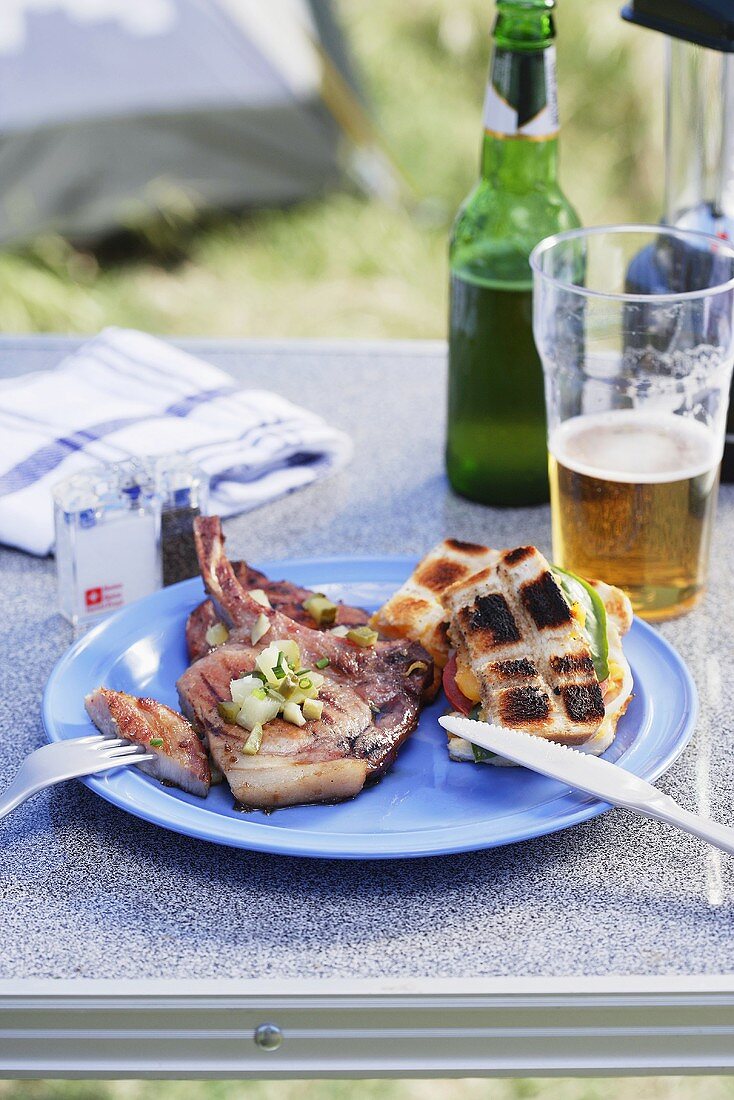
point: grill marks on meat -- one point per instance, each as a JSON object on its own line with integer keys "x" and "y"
{"x": 371, "y": 704}
{"x": 513, "y": 627}
{"x": 308, "y": 764}
{"x": 283, "y": 595}
{"x": 179, "y": 759}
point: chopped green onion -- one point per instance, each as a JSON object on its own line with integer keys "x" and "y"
{"x": 155, "y": 742}
{"x": 274, "y": 689}
{"x": 228, "y": 711}
{"x": 417, "y": 666}
{"x": 321, "y": 609}
{"x": 254, "y": 741}
{"x": 216, "y": 635}
{"x": 363, "y": 636}
{"x": 323, "y": 662}
{"x": 260, "y": 628}
{"x": 261, "y": 597}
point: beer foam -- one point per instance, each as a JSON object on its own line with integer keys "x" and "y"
{"x": 633, "y": 446}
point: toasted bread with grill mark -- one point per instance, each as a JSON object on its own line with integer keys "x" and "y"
{"x": 415, "y": 611}
{"x": 512, "y": 626}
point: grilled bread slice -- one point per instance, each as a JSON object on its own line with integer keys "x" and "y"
{"x": 415, "y": 611}
{"x": 616, "y": 690}
{"x": 514, "y": 630}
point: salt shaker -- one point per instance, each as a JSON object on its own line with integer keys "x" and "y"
{"x": 107, "y": 524}
{"x": 183, "y": 488}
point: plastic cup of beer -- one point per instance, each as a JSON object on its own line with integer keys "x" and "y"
{"x": 634, "y": 327}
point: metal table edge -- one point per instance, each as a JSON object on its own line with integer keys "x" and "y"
{"x": 408, "y": 1028}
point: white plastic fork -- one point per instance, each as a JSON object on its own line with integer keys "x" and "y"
{"x": 67, "y": 760}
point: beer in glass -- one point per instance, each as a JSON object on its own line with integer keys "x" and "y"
{"x": 636, "y": 395}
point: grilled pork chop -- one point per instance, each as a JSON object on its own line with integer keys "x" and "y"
{"x": 514, "y": 629}
{"x": 283, "y": 595}
{"x": 371, "y": 697}
{"x": 179, "y": 754}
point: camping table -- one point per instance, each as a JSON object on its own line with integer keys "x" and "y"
{"x": 128, "y": 950}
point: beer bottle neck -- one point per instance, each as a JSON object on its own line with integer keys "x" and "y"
{"x": 520, "y": 149}
{"x": 519, "y": 165}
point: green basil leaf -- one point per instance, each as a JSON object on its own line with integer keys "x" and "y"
{"x": 480, "y": 754}
{"x": 577, "y": 590}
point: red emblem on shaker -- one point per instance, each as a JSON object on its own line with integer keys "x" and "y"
{"x": 93, "y": 597}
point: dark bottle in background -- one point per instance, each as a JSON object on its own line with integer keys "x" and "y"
{"x": 699, "y": 138}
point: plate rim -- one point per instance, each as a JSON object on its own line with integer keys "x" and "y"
{"x": 300, "y": 845}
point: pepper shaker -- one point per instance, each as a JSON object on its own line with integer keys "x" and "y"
{"x": 183, "y": 489}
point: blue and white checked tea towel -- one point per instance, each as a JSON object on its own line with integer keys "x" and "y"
{"x": 126, "y": 394}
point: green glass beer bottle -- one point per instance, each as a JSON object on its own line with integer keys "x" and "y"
{"x": 496, "y": 445}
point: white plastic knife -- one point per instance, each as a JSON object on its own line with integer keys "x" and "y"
{"x": 598, "y": 777}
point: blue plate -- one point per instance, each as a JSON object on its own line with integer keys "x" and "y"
{"x": 425, "y": 805}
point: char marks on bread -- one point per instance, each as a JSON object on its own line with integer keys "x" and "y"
{"x": 416, "y": 611}
{"x": 513, "y": 628}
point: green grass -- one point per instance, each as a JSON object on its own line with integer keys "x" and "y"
{"x": 346, "y": 266}
{"x": 631, "y": 1088}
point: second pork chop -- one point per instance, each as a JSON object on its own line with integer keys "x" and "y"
{"x": 283, "y": 595}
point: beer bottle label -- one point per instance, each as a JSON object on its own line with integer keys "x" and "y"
{"x": 521, "y": 100}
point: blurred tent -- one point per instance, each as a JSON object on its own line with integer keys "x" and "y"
{"x": 111, "y": 110}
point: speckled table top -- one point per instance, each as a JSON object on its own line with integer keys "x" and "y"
{"x": 617, "y": 895}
